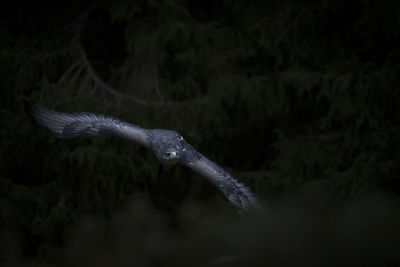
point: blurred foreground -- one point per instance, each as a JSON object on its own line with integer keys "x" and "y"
{"x": 293, "y": 233}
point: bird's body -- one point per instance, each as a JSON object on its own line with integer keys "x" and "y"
{"x": 168, "y": 146}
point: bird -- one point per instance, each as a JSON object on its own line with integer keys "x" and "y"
{"x": 169, "y": 147}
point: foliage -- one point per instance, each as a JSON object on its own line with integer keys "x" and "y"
{"x": 294, "y": 97}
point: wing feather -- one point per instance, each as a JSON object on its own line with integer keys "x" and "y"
{"x": 67, "y": 125}
{"x": 237, "y": 193}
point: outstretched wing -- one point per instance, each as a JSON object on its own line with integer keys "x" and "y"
{"x": 67, "y": 125}
{"x": 237, "y": 193}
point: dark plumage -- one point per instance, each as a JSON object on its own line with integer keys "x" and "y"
{"x": 168, "y": 146}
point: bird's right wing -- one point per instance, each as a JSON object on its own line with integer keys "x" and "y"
{"x": 67, "y": 125}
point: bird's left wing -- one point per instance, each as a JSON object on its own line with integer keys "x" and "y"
{"x": 237, "y": 193}
{"x": 67, "y": 125}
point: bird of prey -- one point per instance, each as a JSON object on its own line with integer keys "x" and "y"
{"x": 168, "y": 146}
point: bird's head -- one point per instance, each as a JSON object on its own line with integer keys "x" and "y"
{"x": 168, "y": 146}
{"x": 169, "y": 157}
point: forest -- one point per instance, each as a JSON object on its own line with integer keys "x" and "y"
{"x": 297, "y": 99}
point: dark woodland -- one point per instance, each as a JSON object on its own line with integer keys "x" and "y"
{"x": 297, "y": 99}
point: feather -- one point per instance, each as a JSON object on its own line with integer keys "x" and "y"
{"x": 67, "y": 125}
{"x": 168, "y": 146}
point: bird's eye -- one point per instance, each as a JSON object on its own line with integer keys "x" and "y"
{"x": 170, "y": 154}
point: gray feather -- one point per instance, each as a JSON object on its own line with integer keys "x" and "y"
{"x": 67, "y": 125}
{"x": 237, "y": 193}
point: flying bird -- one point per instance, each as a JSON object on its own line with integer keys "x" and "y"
{"x": 168, "y": 146}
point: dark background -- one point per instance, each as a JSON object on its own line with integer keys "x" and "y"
{"x": 297, "y": 99}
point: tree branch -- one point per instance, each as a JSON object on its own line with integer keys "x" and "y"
{"x": 83, "y": 62}
{"x": 69, "y": 71}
